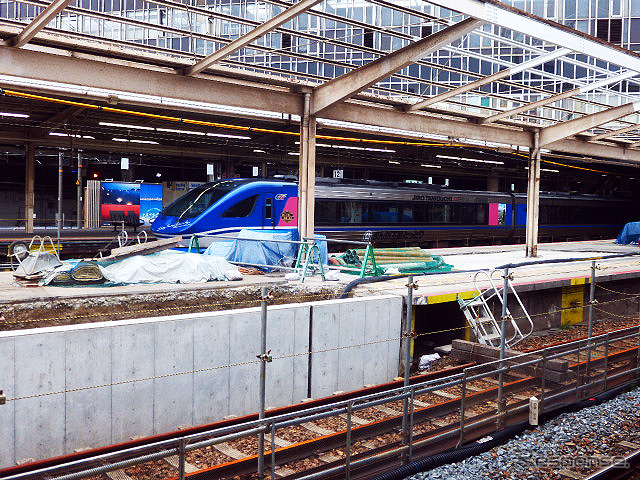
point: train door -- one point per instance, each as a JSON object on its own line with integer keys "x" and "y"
{"x": 268, "y": 212}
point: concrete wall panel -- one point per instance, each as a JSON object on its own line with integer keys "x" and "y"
{"x": 244, "y": 344}
{"x": 211, "y": 387}
{"x": 7, "y": 411}
{"x": 132, "y": 358}
{"x": 173, "y": 394}
{"x": 326, "y": 334}
{"x": 154, "y": 375}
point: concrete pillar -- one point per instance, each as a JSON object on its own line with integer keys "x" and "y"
{"x": 29, "y": 187}
{"x": 533, "y": 198}
{"x": 493, "y": 183}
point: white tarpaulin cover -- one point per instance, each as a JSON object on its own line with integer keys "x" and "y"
{"x": 170, "y": 267}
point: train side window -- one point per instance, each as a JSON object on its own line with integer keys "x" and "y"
{"x": 268, "y": 208}
{"x": 243, "y": 208}
{"x": 326, "y": 212}
{"x": 481, "y": 214}
{"x": 439, "y": 213}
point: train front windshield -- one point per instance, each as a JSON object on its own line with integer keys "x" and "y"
{"x": 197, "y": 201}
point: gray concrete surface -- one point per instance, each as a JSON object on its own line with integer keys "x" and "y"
{"x": 153, "y": 375}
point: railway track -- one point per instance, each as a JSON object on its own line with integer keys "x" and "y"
{"x": 363, "y": 430}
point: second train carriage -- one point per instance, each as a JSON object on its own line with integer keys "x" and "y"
{"x": 393, "y": 214}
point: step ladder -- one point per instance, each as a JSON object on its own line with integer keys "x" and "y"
{"x": 480, "y": 318}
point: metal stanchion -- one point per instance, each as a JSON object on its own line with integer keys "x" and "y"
{"x": 463, "y": 398}
{"x": 411, "y": 420}
{"x": 347, "y": 460}
{"x": 606, "y": 360}
{"x": 264, "y": 358}
{"x": 592, "y": 296}
{"x": 503, "y": 339}
{"x": 408, "y": 335}
{"x": 181, "y": 459}
{"x": 577, "y": 394}
{"x": 543, "y": 385}
{"x": 273, "y": 451}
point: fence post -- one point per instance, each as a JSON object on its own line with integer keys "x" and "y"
{"x": 408, "y": 335}
{"x": 544, "y": 380}
{"x": 592, "y": 296}
{"x": 264, "y": 358}
{"x": 181, "y": 459}
{"x": 347, "y": 452}
{"x": 463, "y": 398}
{"x": 606, "y": 361}
{"x": 503, "y": 340}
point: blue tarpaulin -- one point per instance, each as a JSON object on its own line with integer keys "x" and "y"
{"x": 629, "y": 234}
{"x": 260, "y": 247}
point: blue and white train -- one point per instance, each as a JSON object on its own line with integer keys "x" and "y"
{"x": 393, "y": 213}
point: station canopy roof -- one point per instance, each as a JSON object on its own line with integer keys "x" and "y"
{"x": 478, "y": 72}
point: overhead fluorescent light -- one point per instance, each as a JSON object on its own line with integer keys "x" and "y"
{"x": 476, "y": 160}
{"x": 224, "y": 135}
{"x": 125, "y": 125}
{"x": 426, "y": 165}
{"x": 186, "y": 132}
{"x": 394, "y": 162}
{"x": 353, "y": 147}
{"x": 257, "y": 150}
{"x": 294, "y": 153}
{"x": 134, "y": 140}
{"x": 17, "y": 115}
{"x": 72, "y": 135}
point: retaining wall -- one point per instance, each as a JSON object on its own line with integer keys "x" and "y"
{"x": 154, "y": 375}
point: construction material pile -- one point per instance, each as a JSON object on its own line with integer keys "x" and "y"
{"x": 389, "y": 261}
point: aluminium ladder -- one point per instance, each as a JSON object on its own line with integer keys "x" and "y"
{"x": 480, "y": 317}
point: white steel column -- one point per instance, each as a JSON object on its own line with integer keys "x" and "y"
{"x": 533, "y": 198}
{"x": 303, "y": 180}
{"x": 29, "y": 195}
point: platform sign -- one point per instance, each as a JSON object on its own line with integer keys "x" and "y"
{"x": 338, "y": 174}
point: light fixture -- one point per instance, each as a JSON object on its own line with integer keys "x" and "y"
{"x": 134, "y": 140}
{"x": 465, "y": 159}
{"x": 72, "y": 135}
{"x": 187, "y": 132}
{"x": 353, "y": 147}
{"x": 17, "y": 115}
{"x": 225, "y": 135}
{"x": 158, "y": 174}
{"x": 257, "y": 150}
{"x": 394, "y": 162}
{"x": 293, "y": 153}
{"x": 426, "y": 165}
{"x": 125, "y": 125}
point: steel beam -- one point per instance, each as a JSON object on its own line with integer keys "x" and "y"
{"x": 560, "y": 96}
{"x": 345, "y": 86}
{"x": 507, "y": 72}
{"x": 254, "y": 34}
{"x": 155, "y": 82}
{"x": 600, "y": 136}
{"x": 38, "y": 23}
{"x": 567, "y": 129}
{"x": 507, "y": 17}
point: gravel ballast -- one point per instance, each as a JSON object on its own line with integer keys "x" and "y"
{"x": 571, "y": 441}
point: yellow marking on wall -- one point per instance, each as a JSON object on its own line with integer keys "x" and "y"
{"x": 572, "y": 297}
{"x": 579, "y": 281}
{"x": 450, "y": 297}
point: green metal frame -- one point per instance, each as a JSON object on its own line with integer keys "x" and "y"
{"x": 194, "y": 243}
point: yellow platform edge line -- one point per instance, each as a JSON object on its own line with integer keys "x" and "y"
{"x": 450, "y": 297}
